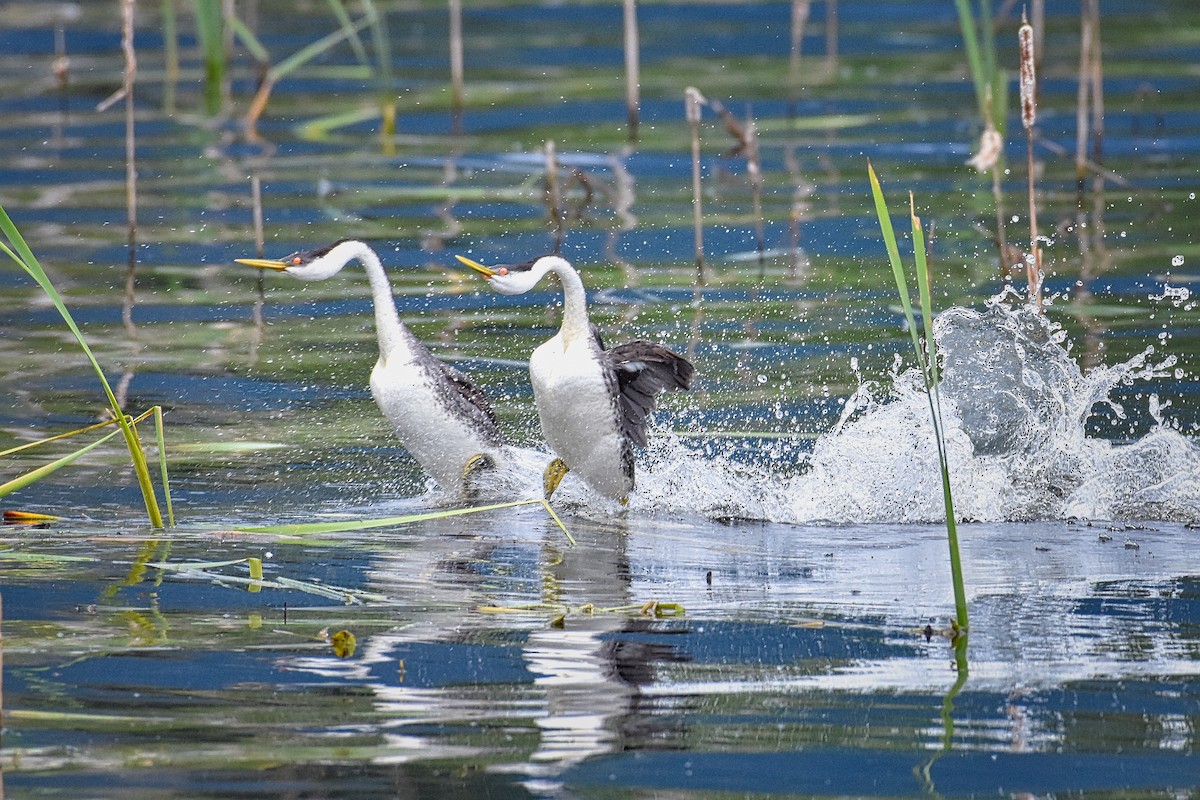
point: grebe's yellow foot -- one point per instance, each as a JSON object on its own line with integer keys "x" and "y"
{"x": 476, "y": 466}
{"x": 553, "y": 476}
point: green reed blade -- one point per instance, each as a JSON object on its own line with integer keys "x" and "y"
{"x": 893, "y": 251}
{"x": 343, "y": 17}
{"x": 311, "y": 51}
{"x": 249, "y": 40}
{"x": 159, "y": 432}
{"x": 208, "y": 29}
{"x": 24, "y": 257}
{"x": 33, "y": 476}
{"x": 30, "y": 445}
{"x": 927, "y": 362}
{"x": 380, "y": 39}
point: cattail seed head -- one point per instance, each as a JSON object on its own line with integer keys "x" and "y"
{"x": 1028, "y": 74}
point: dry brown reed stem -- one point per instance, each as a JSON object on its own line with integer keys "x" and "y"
{"x": 623, "y": 198}
{"x": 632, "y": 68}
{"x": 831, "y": 37}
{"x": 746, "y": 137}
{"x": 1028, "y": 84}
{"x": 693, "y": 104}
{"x": 170, "y": 55}
{"x": 1097, "y": 76}
{"x": 1089, "y": 109}
{"x": 127, "y": 11}
{"x": 228, "y": 12}
{"x": 800, "y": 11}
{"x": 553, "y": 200}
{"x": 754, "y": 170}
{"x": 260, "y": 250}
{"x": 457, "y": 83}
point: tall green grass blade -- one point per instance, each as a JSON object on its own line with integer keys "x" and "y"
{"x": 893, "y": 251}
{"x": 380, "y": 39}
{"x": 935, "y": 408}
{"x": 927, "y": 363}
{"x": 343, "y": 17}
{"x": 311, "y": 51}
{"x": 208, "y": 29}
{"x": 30, "y": 445}
{"x": 33, "y": 476}
{"x": 27, "y": 261}
{"x": 162, "y": 463}
{"x": 249, "y": 40}
{"x": 970, "y": 35}
{"x": 923, "y": 292}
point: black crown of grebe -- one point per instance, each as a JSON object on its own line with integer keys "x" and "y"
{"x": 439, "y": 416}
{"x": 592, "y": 401}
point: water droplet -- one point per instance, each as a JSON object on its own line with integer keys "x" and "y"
{"x": 1177, "y": 261}
{"x": 762, "y": 378}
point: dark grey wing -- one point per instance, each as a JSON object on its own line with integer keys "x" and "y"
{"x": 643, "y": 370}
{"x": 467, "y": 399}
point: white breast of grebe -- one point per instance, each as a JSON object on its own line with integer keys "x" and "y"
{"x": 578, "y": 414}
{"x": 418, "y": 412}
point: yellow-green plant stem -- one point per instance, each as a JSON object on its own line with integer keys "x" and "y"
{"x": 159, "y": 433}
{"x": 33, "y": 476}
{"x": 24, "y": 257}
{"x": 385, "y": 522}
{"x": 927, "y": 362}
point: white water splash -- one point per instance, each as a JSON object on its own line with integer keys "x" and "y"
{"x": 1015, "y": 406}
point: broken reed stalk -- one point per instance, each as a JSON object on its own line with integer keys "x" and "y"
{"x": 632, "y": 67}
{"x": 693, "y": 104}
{"x": 1028, "y": 84}
{"x": 800, "y": 12}
{"x": 127, "y": 8}
{"x": 457, "y": 87}
{"x": 927, "y": 362}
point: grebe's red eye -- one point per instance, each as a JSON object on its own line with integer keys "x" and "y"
{"x": 296, "y": 261}
{"x": 504, "y": 270}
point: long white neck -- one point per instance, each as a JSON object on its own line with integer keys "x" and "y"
{"x": 575, "y": 317}
{"x": 390, "y": 330}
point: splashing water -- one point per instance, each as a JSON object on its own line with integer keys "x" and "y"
{"x": 1015, "y": 406}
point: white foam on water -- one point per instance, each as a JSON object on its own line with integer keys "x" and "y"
{"x": 1015, "y": 406}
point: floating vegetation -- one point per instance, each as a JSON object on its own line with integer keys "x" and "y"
{"x": 559, "y": 613}
{"x": 254, "y": 580}
{"x": 308, "y": 529}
